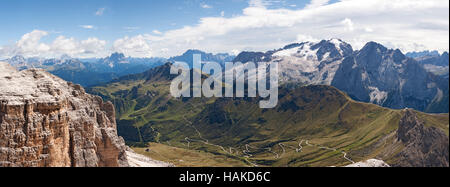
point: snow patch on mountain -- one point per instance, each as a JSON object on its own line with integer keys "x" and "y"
{"x": 377, "y": 96}
{"x": 337, "y": 43}
{"x": 310, "y": 63}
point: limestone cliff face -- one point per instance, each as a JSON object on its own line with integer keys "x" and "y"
{"x": 47, "y": 122}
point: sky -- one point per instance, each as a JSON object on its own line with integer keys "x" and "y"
{"x": 161, "y": 28}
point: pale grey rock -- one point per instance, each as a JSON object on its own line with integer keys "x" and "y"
{"x": 47, "y": 122}
{"x": 388, "y": 78}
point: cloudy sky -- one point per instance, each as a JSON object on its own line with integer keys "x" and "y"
{"x": 142, "y": 28}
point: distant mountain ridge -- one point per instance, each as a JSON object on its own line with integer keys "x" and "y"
{"x": 90, "y": 71}
{"x": 312, "y": 125}
{"x": 422, "y": 54}
{"x": 187, "y": 57}
{"x": 433, "y": 62}
{"x": 373, "y": 74}
{"x": 388, "y": 78}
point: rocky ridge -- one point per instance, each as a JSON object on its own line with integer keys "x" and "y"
{"x": 47, "y": 122}
{"x": 424, "y": 146}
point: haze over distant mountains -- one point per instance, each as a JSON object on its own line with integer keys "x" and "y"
{"x": 88, "y": 72}
{"x": 373, "y": 74}
{"x": 433, "y": 61}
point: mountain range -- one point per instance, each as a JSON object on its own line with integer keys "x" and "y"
{"x": 372, "y": 74}
{"x": 433, "y": 62}
{"x": 315, "y": 125}
{"x": 186, "y": 57}
{"x": 337, "y": 106}
{"x": 88, "y": 72}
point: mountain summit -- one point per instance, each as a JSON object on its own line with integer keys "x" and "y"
{"x": 388, "y": 78}
{"x": 373, "y": 74}
{"x": 187, "y": 57}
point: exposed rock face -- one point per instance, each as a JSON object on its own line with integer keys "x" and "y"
{"x": 220, "y": 58}
{"x": 307, "y": 63}
{"x": 388, "y": 78}
{"x": 434, "y": 59}
{"x": 433, "y": 62}
{"x": 424, "y": 146}
{"x": 47, "y": 122}
{"x": 374, "y": 74}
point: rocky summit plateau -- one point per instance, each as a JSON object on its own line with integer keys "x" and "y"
{"x": 48, "y": 122}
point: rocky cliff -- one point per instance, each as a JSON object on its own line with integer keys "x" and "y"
{"x": 424, "y": 146}
{"x": 388, "y": 78}
{"x": 47, "y": 122}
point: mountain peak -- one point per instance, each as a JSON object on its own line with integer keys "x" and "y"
{"x": 117, "y": 55}
{"x": 115, "y": 58}
{"x": 18, "y": 58}
{"x": 373, "y": 47}
{"x": 206, "y": 57}
{"x": 193, "y": 51}
{"x": 335, "y": 47}
{"x": 65, "y": 57}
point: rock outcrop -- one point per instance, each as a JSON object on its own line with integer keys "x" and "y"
{"x": 388, "y": 78}
{"x": 47, "y": 122}
{"x": 424, "y": 146}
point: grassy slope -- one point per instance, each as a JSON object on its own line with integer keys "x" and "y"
{"x": 322, "y": 115}
{"x": 182, "y": 157}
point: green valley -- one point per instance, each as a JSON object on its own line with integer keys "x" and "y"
{"x": 312, "y": 126}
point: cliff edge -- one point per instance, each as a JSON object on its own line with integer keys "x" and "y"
{"x": 48, "y": 122}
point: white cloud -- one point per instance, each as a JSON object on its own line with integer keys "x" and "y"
{"x": 92, "y": 45}
{"x": 157, "y": 32}
{"x": 396, "y": 23}
{"x": 306, "y": 38}
{"x": 261, "y": 3}
{"x": 65, "y": 45}
{"x": 100, "y": 12}
{"x": 87, "y": 26}
{"x": 70, "y": 46}
{"x": 348, "y": 24}
{"x": 206, "y": 6}
{"x": 137, "y": 46}
{"x": 129, "y": 29}
{"x": 368, "y": 29}
{"x": 222, "y": 13}
{"x": 317, "y": 3}
{"x": 405, "y": 24}
{"x": 30, "y": 45}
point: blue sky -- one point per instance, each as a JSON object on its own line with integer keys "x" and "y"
{"x": 144, "y": 28}
{"x": 119, "y": 17}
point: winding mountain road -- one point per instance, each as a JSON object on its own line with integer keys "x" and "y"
{"x": 248, "y": 148}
